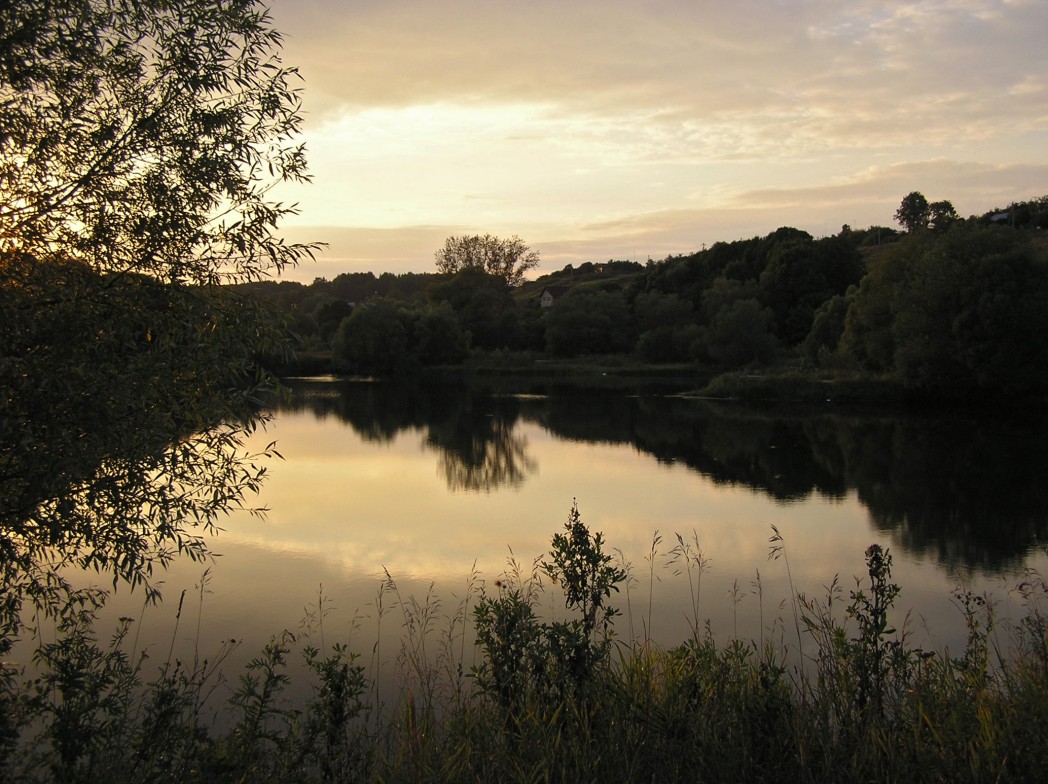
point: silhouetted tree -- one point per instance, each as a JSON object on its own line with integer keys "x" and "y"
{"x": 508, "y": 259}
{"x": 941, "y": 215}
{"x": 139, "y": 144}
{"x": 589, "y": 322}
{"x": 914, "y": 212}
{"x": 483, "y": 305}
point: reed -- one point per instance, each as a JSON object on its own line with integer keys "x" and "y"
{"x": 551, "y": 698}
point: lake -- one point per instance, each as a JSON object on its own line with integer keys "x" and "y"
{"x": 391, "y": 498}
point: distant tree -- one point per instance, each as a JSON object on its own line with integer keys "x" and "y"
{"x": 914, "y": 212}
{"x": 508, "y": 259}
{"x": 867, "y": 340}
{"x": 963, "y": 311}
{"x": 876, "y": 235}
{"x": 589, "y": 322}
{"x": 439, "y": 337}
{"x": 666, "y": 326}
{"x": 724, "y": 292}
{"x": 483, "y": 305}
{"x": 741, "y": 333}
{"x": 375, "y": 339}
{"x": 801, "y": 275}
{"x": 971, "y": 314}
{"x": 827, "y": 327}
{"x": 941, "y": 215}
{"x": 329, "y": 315}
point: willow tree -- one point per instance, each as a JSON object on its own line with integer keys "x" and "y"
{"x": 139, "y": 144}
{"x": 146, "y": 135}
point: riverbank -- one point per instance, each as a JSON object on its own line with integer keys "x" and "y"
{"x": 774, "y": 385}
{"x": 788, "y": 383}
{"x": 864, "y": 704}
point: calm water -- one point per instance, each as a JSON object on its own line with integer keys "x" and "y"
{"x": 434, "y": 485}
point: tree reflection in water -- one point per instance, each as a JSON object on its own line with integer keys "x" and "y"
{"x": 482, "y": 458}
{"x": 118, "y": 465}
{"x": 963, "y": 487}
{"x": 472, "y": 430}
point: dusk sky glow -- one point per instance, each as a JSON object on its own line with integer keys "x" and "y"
{"x": 635, "y": 130}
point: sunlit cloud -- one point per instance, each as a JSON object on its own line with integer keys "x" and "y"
{"x": 560, "y": 121}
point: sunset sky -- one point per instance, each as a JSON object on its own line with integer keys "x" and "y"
{"x": 634, "y": 130}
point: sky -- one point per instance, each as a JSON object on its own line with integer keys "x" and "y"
{"x": 637, "y": 129}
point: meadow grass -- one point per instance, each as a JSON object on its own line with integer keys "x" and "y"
{"x": 549, "y": 696}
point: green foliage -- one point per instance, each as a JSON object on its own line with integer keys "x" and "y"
{"x": 756, "y": 296}
{"x": 666, "y": 323}
{"x": 862, "y": 706}
{"x": 526, "y": 659}
{"x": 941, "y": 215}
{"x": 145, "y": 136}
{"x": 588, "y": 321}
{"x": 483, "y": 306}
{"x": 121, "y": 425}
{"x": 375, "y": 339}
{"x": 874, "y": 658}
{"x": 139, "y": 144}
{"x": 387, "y": 338}
{"x": 827, "y": 328}
{"x": 958, "y": 311}
{"x": 440, "y": 337}
{"x": 93, "y": 715}
{"x": 585, "y": 573}
{"x": 801, "y": 276}
{"x": 741, "y": 333}
{"x": 914, "y": 212}
{"x": 867, "y": 340}
{"x": 511, "y": 637}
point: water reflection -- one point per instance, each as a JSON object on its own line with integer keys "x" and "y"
{"x": 124, "y": 406}
{"x": 964, "y": 490}
{"x": 471, "y": 430}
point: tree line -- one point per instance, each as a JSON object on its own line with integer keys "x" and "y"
{"x": 945, "y": 303}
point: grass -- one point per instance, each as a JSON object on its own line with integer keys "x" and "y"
{"x": 861, "y": 704}
{"x": 799, "y": 386}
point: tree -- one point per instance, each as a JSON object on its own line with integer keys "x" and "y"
{"x": 139, "y": 142}
{"x": 827, "y": 327}
{"x": 146, "y": 136}
{"x": 439, "y": 337}
{"x": 666, "y": 326}
{"x": 941, "y": 214}
{"x": 741, "y": 333}
{"x": 961, "y": 312}
{"x": 971, "y": 314}
{"x": 375, "y": 339}
{"x": 508, "y": 259}
{"x": 483, "y": 306}
{"x": 589, "y": 322}
{"x": 914, "y": 212}
{"x": 800, "y": 276}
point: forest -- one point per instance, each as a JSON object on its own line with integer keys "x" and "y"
{"x": 946, "y": 304}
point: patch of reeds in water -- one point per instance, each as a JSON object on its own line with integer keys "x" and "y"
{"x": 549, "y": 697}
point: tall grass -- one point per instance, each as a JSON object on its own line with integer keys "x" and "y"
{"x": 550, "y": 696}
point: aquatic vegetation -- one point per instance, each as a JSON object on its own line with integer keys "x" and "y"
{"x": 552, "y": 698}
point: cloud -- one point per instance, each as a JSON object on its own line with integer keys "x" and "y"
{"x": 866, "y": 197}
{"x": 619, "y": 129}
{"x": 803, "y": 69}
{"x": 965, "y": 183}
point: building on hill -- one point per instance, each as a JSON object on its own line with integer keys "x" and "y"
{"x": 549, "y": 294}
